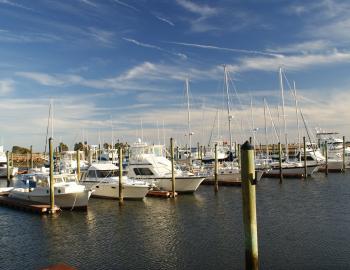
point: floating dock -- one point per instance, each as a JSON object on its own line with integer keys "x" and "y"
{"x": 27, "y": 205}
{"x": 160, "y": 194}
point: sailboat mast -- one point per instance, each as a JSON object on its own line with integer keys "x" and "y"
{"x": 228, "y": 107}
{"x": 283, "y": 112}
{"x": 252, "y": 118}
{"x": 266, "y": 142}
{"x": 51, "y": 118}
{"x": 296, "y": 112}
{"x": 188, "y": 117}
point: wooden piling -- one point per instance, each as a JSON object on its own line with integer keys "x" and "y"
{"x": 280, "y": 161}
{"x": 78, "y": 165}
{"x": 326, "y": 156}
{"x": 249, "y": 207}
{"x": 344, "y": 153}
{"x": 305, "y": 168}
{"x": 239, "y": 155}
{"x": 52, "y": 190}
{"x": 216, "y": 185}
{"x": 8, "y": 168}
{"x": 172, "y": 168}
{"x": 120, "y": 156}
{"x": 31, "y": 157}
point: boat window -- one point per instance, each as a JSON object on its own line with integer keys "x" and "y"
{"x": 106, "y": 173}
{"x": 142, "y": 171}
{"x": 92, "y": 174}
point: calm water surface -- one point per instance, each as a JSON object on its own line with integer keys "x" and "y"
{"x": 301, "y": 225}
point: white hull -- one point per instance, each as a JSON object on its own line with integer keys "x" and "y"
{"x": 291, "y": 171}
{"x": 333, "y": 165}
{"x": 234, "y": 176}
{"x": 182, "y": 184}
{"x": 66, "y": 200}
{"x": 111, "y": 190}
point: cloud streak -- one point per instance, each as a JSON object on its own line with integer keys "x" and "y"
{"x": 14, "y": 4}
{"x": 126, "y": 5}
{"x": 165, "y": 20}
{"x": 141, "y": 44}
{"x": 202, "y": 10}
{"x": 211, "y": 47}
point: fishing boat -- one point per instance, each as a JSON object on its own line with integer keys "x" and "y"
{"x": 3, "y": 164}
{"x": 103, "y": 178}
{"x": 149, "y": 163}
{"x": 35, "y": 187}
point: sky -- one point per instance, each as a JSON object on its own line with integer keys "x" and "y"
{"x": 116, "y": 69}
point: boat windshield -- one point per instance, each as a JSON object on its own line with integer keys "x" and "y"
{"x": 104, "y": 173}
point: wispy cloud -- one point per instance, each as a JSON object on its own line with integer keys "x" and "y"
{"x": 138, "y": 43}
{"x": 88, "y": 2}
{"x": 294, "y": 62}
{"x": 41, "y": 78}
{"x": 6, "y": 86}
{"x": 27, "y": 37}
{"x": 14, "y": 4}
{"x": 202, "y": 10}
{"x": 102, "y": 36}
{"x": 211, "y": 47}
{"x": 126, "y": 5}
{"x": 304, "y": 47}
{"x": 165, "y": 20}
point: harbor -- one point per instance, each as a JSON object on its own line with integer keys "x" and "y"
{"x": 185, "y": 134}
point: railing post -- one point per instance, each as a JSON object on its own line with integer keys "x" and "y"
{"x": 78, "y": 165}
{"x": 280, "y": 161}
{"x": 305, "y": 168}
{"x": 8, "y": 168}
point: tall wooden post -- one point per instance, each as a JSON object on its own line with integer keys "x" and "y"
{"x": 120, "y": 155}
{"x": 239, "y": 155}
{"x": 78, "y": 165}
{"x": 249, "y": 207}
{"x": 52, "y": 189}
{"x": 344, "y": 154}
{"x": 198, "y": 153}
{"x": 31, "y": 157}
{"x": 216, "y": 184}
{"x": 326, "y": 155}
{"x": 8, "y": 168}
{"x": 172, "y": 168}
{"x": 305, "y": 168}
{"x": 280, "y": 161}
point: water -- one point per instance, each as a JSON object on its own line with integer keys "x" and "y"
{"x": 301, "y": 225}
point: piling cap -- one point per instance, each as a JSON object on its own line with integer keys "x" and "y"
{"x": 247, "y": 146}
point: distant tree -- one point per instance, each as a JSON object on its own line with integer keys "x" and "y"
{"x": 78, "y": 146}
{"x": 106, "y": 145}
{"x": 63, "y": 147}
{"x": 20, "y": 150}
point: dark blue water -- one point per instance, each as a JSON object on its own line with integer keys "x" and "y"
{"x": 301, "y": 225}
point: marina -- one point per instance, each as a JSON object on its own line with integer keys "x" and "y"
{"x": 185, "y": 134}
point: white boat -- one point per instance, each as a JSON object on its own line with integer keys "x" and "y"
{"x": 103, "y": 178}
{"x": 149, "y": 163}
{"x": 36, "y": 188}
{"x": 291, "y": 169}
{"x": 3, "y": 164}
{"x": 68, "y": 162}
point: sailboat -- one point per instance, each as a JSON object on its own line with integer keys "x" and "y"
{"x": 289, "y": 168}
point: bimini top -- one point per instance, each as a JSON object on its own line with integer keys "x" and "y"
{"x": 103, "y": 167}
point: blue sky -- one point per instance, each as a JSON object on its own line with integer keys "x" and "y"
{"x": 112, "y": 65}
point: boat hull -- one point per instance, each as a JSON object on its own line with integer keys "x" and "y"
{"x": 111, "y": 190}
{"x": 292, "y": 171}
{"x": 182, "y": 184}
{"x": 78, "y": 200}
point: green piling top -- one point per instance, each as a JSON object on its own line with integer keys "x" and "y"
{"x": 247, "y": 146}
